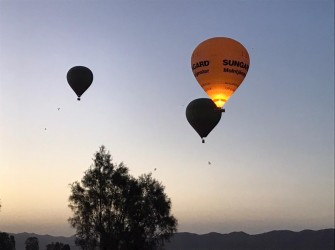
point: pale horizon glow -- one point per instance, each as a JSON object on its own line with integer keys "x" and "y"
{"x": 272, "y": 154}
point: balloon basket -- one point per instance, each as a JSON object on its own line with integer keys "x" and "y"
{"x": 220, "y": 110}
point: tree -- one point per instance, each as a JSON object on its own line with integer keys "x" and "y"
{"x": 66, "y": 247}
{"x": 113, "y": 210}
{"x": 57, "y": 246}
{"x": 7, "y": 242}
{"x": 32, "y": 243}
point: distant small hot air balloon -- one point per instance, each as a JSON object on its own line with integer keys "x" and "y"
{"x": 203, "y": 115}
{"x": 80, "y": 79}
{"x": 220, "y": 64}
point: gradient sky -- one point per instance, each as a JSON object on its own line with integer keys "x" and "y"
{"x": 272, "y": 154}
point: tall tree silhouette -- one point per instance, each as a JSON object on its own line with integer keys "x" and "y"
{"x": 113, "y": 210}
{"x": 7, "y": 242}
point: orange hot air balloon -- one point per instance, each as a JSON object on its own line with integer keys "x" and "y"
{"x": 220, "y": 64}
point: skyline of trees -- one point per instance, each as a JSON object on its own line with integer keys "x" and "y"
{"x": 57, "y": 246}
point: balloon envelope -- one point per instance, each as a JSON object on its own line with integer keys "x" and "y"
{"x": 203, "y": 115}
{"x": 220, "y": 64}
{"x": 80, "y": 79}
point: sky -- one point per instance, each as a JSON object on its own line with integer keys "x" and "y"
{"x": 271, "y": 155}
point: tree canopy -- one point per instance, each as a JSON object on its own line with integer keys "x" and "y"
{"x": 7, "y": 242}
{"x": 32, "y": 243}
{"x": 113, "y": 210}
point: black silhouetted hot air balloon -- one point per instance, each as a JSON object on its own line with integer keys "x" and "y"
{"x": 203, "y": 115}
{"x": 220, "y": 65}
{"x": 80, "y": 79}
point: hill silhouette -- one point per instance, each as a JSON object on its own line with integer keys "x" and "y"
{"x": 274, "y": 240}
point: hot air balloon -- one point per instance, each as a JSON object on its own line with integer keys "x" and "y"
{"x": 203, "y": 115}
{"x": 220, "y": 64}
{"x": 80, "y": 79}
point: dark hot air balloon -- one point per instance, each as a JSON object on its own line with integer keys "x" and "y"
{"x": 80, "y": 79}
{"x": 203, "y": 115}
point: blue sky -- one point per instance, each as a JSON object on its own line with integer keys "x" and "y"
{"x": 272, "y": 152}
